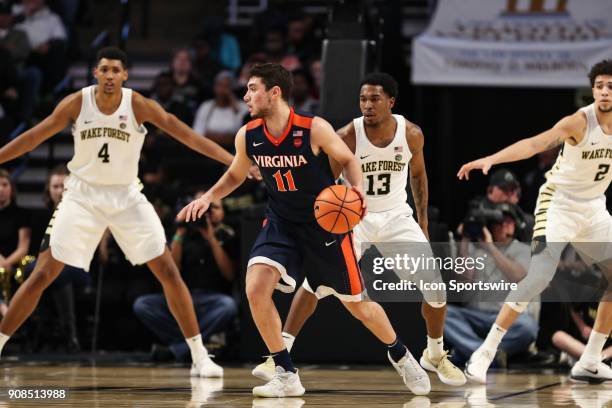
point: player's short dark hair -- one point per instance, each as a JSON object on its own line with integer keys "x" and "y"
{"x": 274, "y": 75}
{"x": 601, "y": 68}
{"x": 388, "y": 83}
{"x": 112, "y": 53}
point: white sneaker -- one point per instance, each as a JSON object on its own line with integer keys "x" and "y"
{"x": 476, "y": 368}
{"x": 447, "y": 372}
{"x": 412, "y": 373}
{"x": 206, "y": 368}
{"x": 283, "y": 384}
{"x": 593, "y": 374}
{"x": 266, "y": 370}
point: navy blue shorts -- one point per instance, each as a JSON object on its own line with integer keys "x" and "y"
{"x": 327, "y": 260}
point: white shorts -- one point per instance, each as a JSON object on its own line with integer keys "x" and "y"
{"x": 586, "y": 223}
{"x": 397, "y": 225}
{"x": 86, "y": 211}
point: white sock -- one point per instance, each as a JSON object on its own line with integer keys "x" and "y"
{"x": 495, "y": 336}
{"x": 198, "y": 351}
{"x": 288, "y": 339}
{"x": 3, "y": 339}
{"x": 435, "y": 346}
{"x": 594, "y": 347}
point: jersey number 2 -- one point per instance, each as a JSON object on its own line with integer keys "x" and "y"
{"x": 280, "y": 183}
{"x": 603, "y": 170}
{"x": 103, "y": 153}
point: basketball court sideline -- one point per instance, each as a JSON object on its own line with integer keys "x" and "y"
{"x": 329, "y": 386}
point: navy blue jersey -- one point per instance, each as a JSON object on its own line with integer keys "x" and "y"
{"x": 293, "y": 175}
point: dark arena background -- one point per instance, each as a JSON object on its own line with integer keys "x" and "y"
{"x": 474, "y": 75}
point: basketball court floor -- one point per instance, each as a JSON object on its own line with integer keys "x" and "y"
{"x": 140, "y": 385}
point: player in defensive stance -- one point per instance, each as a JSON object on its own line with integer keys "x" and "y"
{"x": 571, "y": 207}
{"x": 293, "y": 152}
{"x": 386, "y": 145}
{"x": 103, "y": 191}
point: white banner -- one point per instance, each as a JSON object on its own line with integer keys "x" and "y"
{"x": 538, "y": 43}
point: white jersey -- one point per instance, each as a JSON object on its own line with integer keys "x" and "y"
{"x": 106, "y": 147}
{"x": 385, "y": 169}
{"x": 583, "y": 171}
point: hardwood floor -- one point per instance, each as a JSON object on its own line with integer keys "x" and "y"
{"x": 149, "y": 386}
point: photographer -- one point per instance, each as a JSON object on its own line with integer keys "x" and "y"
{"x": 490, "y": 235}
{"x": 207, "y": 255}
{"x": 504, "y": 187}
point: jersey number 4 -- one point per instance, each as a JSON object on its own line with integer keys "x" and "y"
{"x": 103, "y": 153}
{"x": 280, "y": 183}
{"x": 384, "y": 186}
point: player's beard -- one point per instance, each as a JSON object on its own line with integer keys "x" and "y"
{"x": 267, "y": 110}
{"x": 263, "y": 112}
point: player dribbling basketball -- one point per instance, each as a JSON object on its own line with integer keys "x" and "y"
{"x": 386, "y": 145}
{"x": 293, "y": 152}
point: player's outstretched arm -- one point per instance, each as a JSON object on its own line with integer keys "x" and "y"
{"x": 148, "y": 110}
{"x": 570, "y": 127}
{"x": 418, "y": 174}
{"x": 231, "y": 179}
{"x": 323, "y": 135}
{"x": 64, "y": 113}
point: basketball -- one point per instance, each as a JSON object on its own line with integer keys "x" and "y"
{"x": 337, "y": 209}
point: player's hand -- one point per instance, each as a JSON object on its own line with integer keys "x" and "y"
{"x": 194, "y": 210}
{"x": 254, "y": 172}
{"x": 483, "y": 164}
{"x": 364, "y": 206}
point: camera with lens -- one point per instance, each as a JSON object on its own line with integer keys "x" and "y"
{"x": 478, "y": 218}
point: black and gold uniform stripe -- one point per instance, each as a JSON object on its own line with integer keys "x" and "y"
{"x": 547, "y": 192}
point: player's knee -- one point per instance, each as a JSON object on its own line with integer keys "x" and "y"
{"x": 255, "y": 294}
{"x": 518, "y": 307}
{"x": 168, "y": 274}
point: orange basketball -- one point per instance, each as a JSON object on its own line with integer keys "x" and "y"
{"x": 337, "y": 209}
